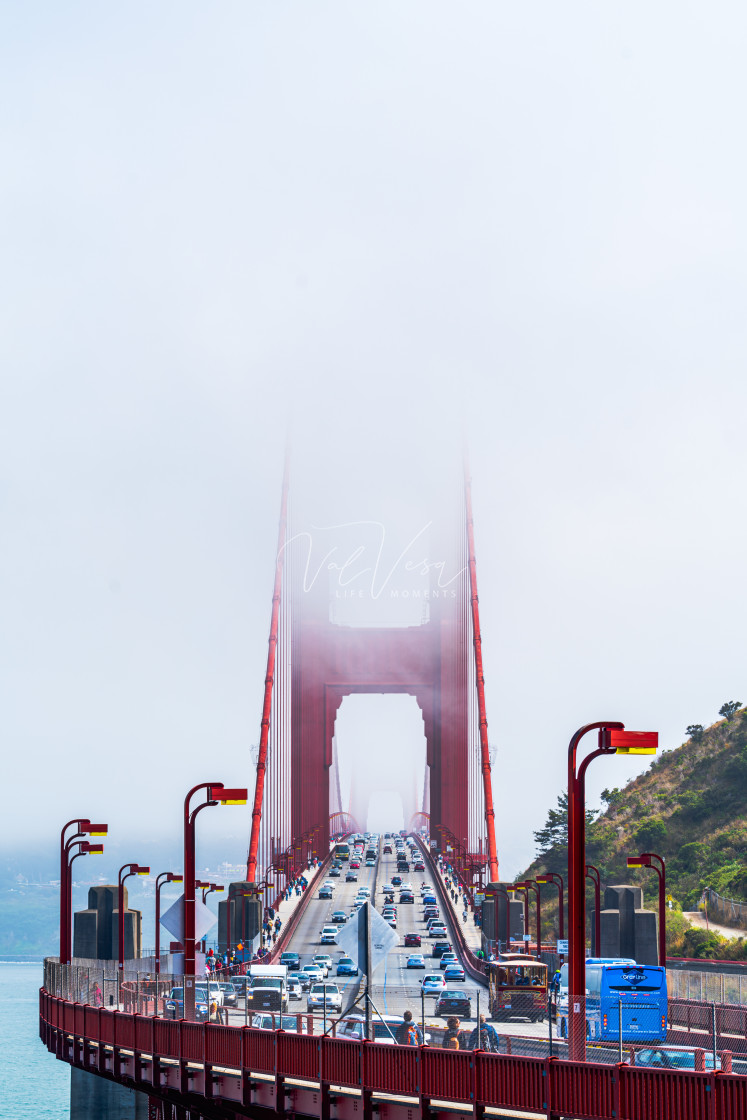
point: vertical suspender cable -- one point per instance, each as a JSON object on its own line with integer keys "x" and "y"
{"x": 484, "y": 748}
{"x": 251, "y": 863}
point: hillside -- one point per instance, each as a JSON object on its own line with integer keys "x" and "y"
{"x": 690, "y": 807}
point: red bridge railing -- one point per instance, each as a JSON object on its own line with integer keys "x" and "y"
{"x": 221, "y": 1063}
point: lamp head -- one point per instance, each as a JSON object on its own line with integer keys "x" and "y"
{"x": 96, "y": 829}
{"x": 172, "y": 878}
{"x": 228, "y": 796}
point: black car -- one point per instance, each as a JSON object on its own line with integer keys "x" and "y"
{"x": 396, "y": 880}
{"x": 407, "y": 896}
{"x": 351, "y": 877}
{"x": 452, "y": 1002}
{"x": 292, "y": 960}
{"x": 334, "y": 872}
{"x": 441, "y": 947}
{"x": 430, "y": 912}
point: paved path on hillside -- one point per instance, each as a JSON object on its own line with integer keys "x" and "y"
{"x": 698, "y": 918}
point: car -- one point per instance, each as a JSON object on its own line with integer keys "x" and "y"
{"x": 433, "y": 921}
{"x": 453, "y": 1002}
{"x": 355, "y": 865}
{"x": 392, "y": 919}
{"x": 324, "y": 995}
{"x": 429, "y": 900}
{"x": 230, "y": 995}
{"x": 412, "y": 939}
{"x": 396, "y": 880}
{"x": 325, "y": 892}
{"x": 454, "y": 973}
{"x": 335, "y": 872}
{"x": 433, "y": 983}
{"x": 322, "y": 960}
{"x": 295, "y": 988}
{"x": 430, "y": 912}
{"x": 332, "y": 886}
{"x": 173, "y": 1005}
{"x": 416, "y": 962}
{"x": 338, "y": 917}
{"x": 406, "y": 897}
{"x": 440, "y": 948}
{"x": 370, "y": 863}
{"x": 328, "y": 935}
{"x": 351, "y": 877}
{"x": 437, "y": 931}
{"x": 269, "y": 1022}
{"x": 419, "y": 866}
{"x": 346, "y": 966}
{"x": 383, "y": 1027}
{"x": 312, "y": 972}
{"x": 291, "y": 960}
{"x": 387, "y": 849}
{"x": 364, "y": 891}
{"x": 672, "y": 1057}
{"x": 447, "y": 959}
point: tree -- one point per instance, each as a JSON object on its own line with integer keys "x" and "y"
{"x": 554, "y": 836}
{"x": 650, "y": 834}
{"x": 695, "y": 731}
{"x": 611, "y": 797}
{"x": 729, "y": 709}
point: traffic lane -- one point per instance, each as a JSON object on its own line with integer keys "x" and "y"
{"x": 306, "y": 940}
{"x": 400, "y": 986}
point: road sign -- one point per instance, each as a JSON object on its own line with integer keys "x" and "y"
{"x": 562, "y": 947}
{"x": 352, "y": 938}
{"x": 526, "y": 937}
{"x": 173, "y": 919}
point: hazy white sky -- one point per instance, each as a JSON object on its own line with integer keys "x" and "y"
{"x": 391, "y": 219}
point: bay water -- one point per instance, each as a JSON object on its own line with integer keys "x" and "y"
{"x": 35, "y": 1086}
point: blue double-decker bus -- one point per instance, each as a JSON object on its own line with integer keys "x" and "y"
{"x": 630, "y": 995}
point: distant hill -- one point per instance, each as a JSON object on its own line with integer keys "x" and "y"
{"x": 690, "y": 807}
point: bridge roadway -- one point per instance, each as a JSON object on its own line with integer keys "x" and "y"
{"x": 396, "y": 988}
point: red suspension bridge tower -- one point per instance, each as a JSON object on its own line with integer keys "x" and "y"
{"x": 313, "y": 663}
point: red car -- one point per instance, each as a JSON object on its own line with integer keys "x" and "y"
{"x": 419, "y": 867}
{"x": 412, "y": 939}
{"x": 354, "y": 865}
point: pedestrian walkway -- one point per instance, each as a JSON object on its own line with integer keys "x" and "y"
{"x": 699, "y": 919}
{"x": 288, "y": 907}
{"x": 472, "y": 933}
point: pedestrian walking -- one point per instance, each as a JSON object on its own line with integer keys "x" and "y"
{"x": 408, "y": 1033}
{"x": 484, "y": 1037}
{"x": 453, "y": 1036}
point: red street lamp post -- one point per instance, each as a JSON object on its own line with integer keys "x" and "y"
{"x": 84, "y": 849}
{"x": 556, "y": 880}
{"x": 613, "y": 739}
{"x": 129, "y": 869}
{"x": 216, "y": 794}
{"x": 646, "y": 859}
{"x": 523, "y": 887}
{"x": 83, "y": 828}
{"x": 167, "y": 877}
{"x": 593, "y": 873}
{"x": 210, "y": 888}
{"x": 531, "y": 885}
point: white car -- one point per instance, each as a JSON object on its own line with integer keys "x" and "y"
{"x": 433, "y": 983}
{"x": 294, "y": 988}
{"x": 328, "y": 935}
{"x": 364, "y": 891}
{"x": 324, "y": 961}
{"x": 322, "y": 995}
